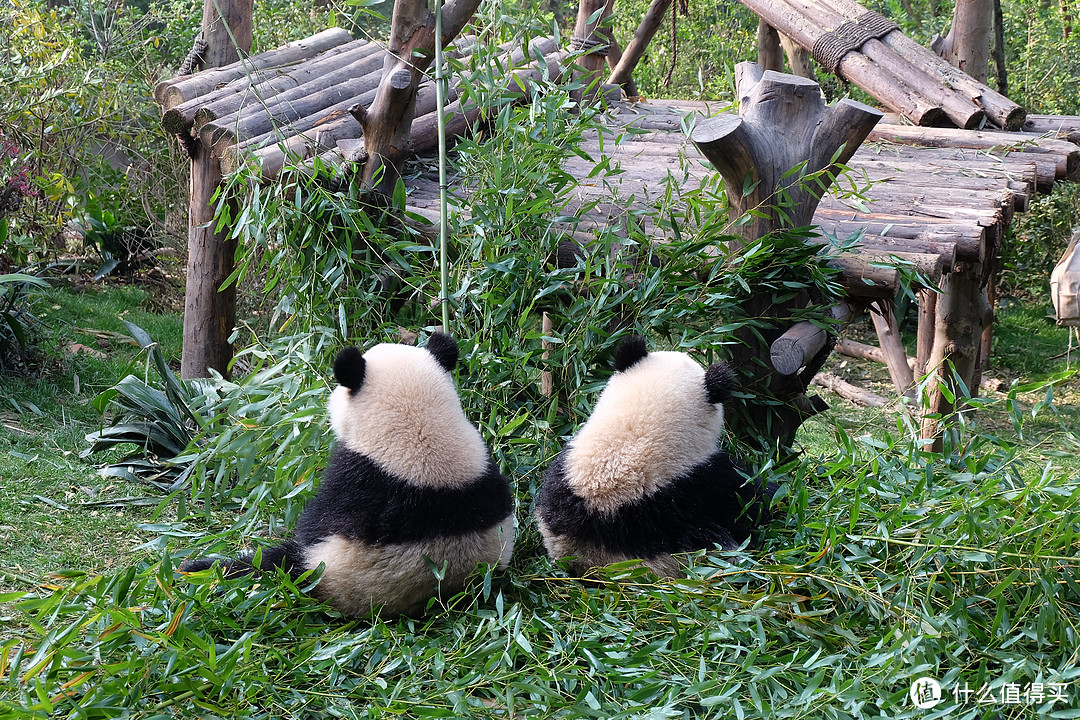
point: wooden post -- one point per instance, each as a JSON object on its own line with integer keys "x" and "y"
{"x": 621, "y": 75}
{"x": 782, "y": 122}
{"x": 888, "y": 331}
{"x": 588, "y": 37}
{"x": 769, "y": 55}
{"x": 773, "y": 46}
{"x": 962, "y": 314}
{"x": 209, "y": 311}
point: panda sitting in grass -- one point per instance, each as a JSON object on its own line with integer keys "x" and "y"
{"x": 643, "y": 478}
{"x": 409, "y": 485}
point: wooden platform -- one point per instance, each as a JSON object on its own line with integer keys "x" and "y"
{"x": 939, "y": 198}
{"x": 945, "y": 194}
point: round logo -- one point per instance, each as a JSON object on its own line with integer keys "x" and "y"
{"x": 925, "y": 693}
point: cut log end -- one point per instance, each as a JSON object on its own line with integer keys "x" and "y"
{"x": 715, "y": 128}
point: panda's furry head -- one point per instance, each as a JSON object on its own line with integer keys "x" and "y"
{"x": 660, "y": 414}
{"x": 397, "y": 405}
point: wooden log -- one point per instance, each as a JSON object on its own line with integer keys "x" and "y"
{"x": 588, "y": 40}
{"x": 967, "y": 46}
{"x": 316, "y": 139}
{"x": 209, "y": 307}
{"x": 924, "y": 338}
{"x": 387, "y": 122}
{"x": 1063, "y": 127}
{"x": 171, "y": 93}
{"x": 260, "y": 83}
{"x": 972, "y": 191}
{"x": 892, "y": 347}
{"x": 769, "y": 54}
{"x": 854, "y": 67}
{"x": 461, "y": 118}
{"x": 862, "y": 276}
{"x": 790, "y": 352}
{"x": 961, "y": 110}
{"x": 650, "y": 23}
{"x": 283, "y": 113}
{"x": 798, "y": 58}
{"x": 846, "y": 390}
{"x": 888, "y": 189}
{"x": 962, "y": 314}
{"x": 614, "y": 57}
{"x": 1066, "y": 155}
{"x": 1042, "y": 168}
{"x": 999, "y": 109}
{"x": 970, "y": 237}
{"x": 762, "y": 144}
{"x": 931, "y": 259}
{"x": 782, "y": 123}
{"x": 862, "y": 351}
{"x": 309, "y": 79}
{"x": 888, "y": 157}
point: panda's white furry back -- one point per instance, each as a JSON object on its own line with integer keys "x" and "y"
{"x": 409, "y": 478}
{"x": 643, "y": 478}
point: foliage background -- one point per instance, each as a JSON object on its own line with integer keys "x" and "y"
{"x": 886, "y": 563}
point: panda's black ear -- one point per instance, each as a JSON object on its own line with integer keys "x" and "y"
{"x": 719, "y": 380}
{"x": 629, "y": 351}
{"x": 349, "y": 368}
{"x": 445, "y": 350}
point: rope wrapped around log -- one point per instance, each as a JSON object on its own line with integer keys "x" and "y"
{"x": 194, "y": 58}
{"x": 592, "y": 45}
{"x": 831, "y": 47}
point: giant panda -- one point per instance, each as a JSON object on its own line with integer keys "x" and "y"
{"x": 409, "y": 480}
{"x": 644, "y": 478}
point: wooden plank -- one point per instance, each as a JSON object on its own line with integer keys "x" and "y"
{"x": 1064, "y": 127}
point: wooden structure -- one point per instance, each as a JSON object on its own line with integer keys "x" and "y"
{"x": 941, "y": 198}
{"x": 941, "y": 201}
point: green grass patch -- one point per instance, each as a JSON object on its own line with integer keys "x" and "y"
{"x": 56, "y": 511}
{"x": 885, "y": 564}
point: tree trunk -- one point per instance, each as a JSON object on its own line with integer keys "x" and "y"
{"x": 999, "y": 49}
{"x": 782, "y": 122}
{"x": 769, "y": 55}
{"x": 587, "y": 37}
{"x": 962, "y": 313}
{"x": 209, "y": 311}
{"x": 967, "y": 46}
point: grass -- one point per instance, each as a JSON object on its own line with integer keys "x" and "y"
{"x": 55, "y": 510}
{"x": 884, "y": 565}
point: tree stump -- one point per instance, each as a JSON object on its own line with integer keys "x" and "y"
{"x": 783, "y": 123}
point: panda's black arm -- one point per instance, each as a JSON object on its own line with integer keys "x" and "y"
{"x": 286, "y": 556}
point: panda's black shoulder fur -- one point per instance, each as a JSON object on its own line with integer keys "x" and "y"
{"x": 713, "y": 504}
{"x": 359, "y": 500}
